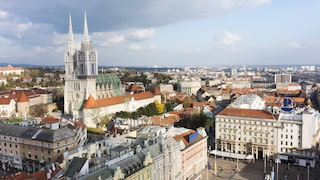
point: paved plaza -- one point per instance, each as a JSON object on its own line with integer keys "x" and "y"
{"x": 227, "y": 169}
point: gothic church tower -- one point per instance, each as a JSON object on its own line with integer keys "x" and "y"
{"x": 81, "y": 70}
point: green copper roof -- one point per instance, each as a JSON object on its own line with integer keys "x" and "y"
{"x": 110, "y": 80}
{"x": 107, "y": 79}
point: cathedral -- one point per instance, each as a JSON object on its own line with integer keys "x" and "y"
{"x": 89, "y": 95}
{"x": 81, "y": 75}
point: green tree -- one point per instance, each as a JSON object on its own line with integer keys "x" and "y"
{"x": 168, "y": 107}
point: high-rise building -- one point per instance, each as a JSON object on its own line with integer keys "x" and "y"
{"x": 282, "y": 78}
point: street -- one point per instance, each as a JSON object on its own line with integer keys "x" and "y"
{"x": 227, "y": 169}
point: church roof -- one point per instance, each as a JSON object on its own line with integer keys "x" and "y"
{"x": 91, "y": 103}
{"x": 108, "y": 79}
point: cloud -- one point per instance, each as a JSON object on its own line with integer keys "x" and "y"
{"x": 26, "y": 32}
{"x": 141, "y": 34}
{"x": 297, "y": 45}
{"x": 107, "y": 38}
{"x": 116, "y": 39}
{"x": 48, "y": 49}
{"x": 134, "y": 47}
{"x": 3, "y": 14}
{"x": 228, "y": 39}
{"x": 191, "y": 51}
{"x": 117, "y": 15}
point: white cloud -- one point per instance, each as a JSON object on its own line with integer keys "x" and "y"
{"x": 191, "y": 51}
{"x": 141, "y": 34}
{"x": 298, "y": 45}
{"x": 3, "y": 14}
{"x": 116, "y": 39}
{"x": 294, "y": 44}
{"x": 134, "y": 47}
{"x": 49, "y": 49}
{"x": 228, "y": 39}
{"x": 107, "y": 38}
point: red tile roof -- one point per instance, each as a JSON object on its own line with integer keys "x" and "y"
{"x": 50, "y": 119}
{"x": 164, "y": 121}
{"x": 39, "y": 175}
{"x": 10, "y": 68}
{"x": 250, "y": 113}
{"x": 23, "y": 97}
{"x": 5, "y": 101}
{"x": 80, "y": 124}
{"x": 183, "y": 137}
{"x": 91, "y": 103}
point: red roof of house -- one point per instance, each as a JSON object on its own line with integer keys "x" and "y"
{"x": 23, "y": 97}
{"x": 5, "y": 101}
{"x": 183, "y": 137}
{"x": 50, "y": 119}
{"x": 10, "y": 68}
{"x": 164, "y": 121}
{"x": 250, "y": 113}
{"x": 39, "y": 175}
{"x": 79, "y": 123}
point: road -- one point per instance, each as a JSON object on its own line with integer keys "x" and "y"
{"x": 227, "y": 169}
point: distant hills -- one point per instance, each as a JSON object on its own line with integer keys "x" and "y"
{"x": 141, "y": 69}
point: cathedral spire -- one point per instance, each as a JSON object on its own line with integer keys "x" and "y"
{"x": 85, "y": 30}
{"x": 70, "y": 37}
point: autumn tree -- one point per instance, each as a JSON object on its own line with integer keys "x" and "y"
{"x": 187, "y": 102}
{"x": 39, "y": 110}
{"x": 159, "y": 106}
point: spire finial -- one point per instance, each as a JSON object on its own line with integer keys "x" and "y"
{"x": 85, "y": 30}
{"x": 70, "y": 37}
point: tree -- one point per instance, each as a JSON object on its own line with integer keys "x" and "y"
{"x": 168, "y": 107}
{"x": 95, "y": 116}
{"x": 187, "y": 102}
{"x": 159, "y": 106}
{"x": 39, "y": 110}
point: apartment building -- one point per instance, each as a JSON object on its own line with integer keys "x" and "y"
{"x": 20, "y": 143}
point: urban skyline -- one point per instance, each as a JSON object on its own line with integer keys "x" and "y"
{"x": 197, "y": 33}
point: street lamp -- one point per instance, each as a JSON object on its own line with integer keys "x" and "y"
{"x": 237, "y": 152}
{"x": 215, "y": 159}
{"x": 277, "y": 161}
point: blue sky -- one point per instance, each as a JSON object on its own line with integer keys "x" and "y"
{"x": 164, "y": 32}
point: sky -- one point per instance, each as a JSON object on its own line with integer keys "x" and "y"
{"x": 164, "y": 33}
